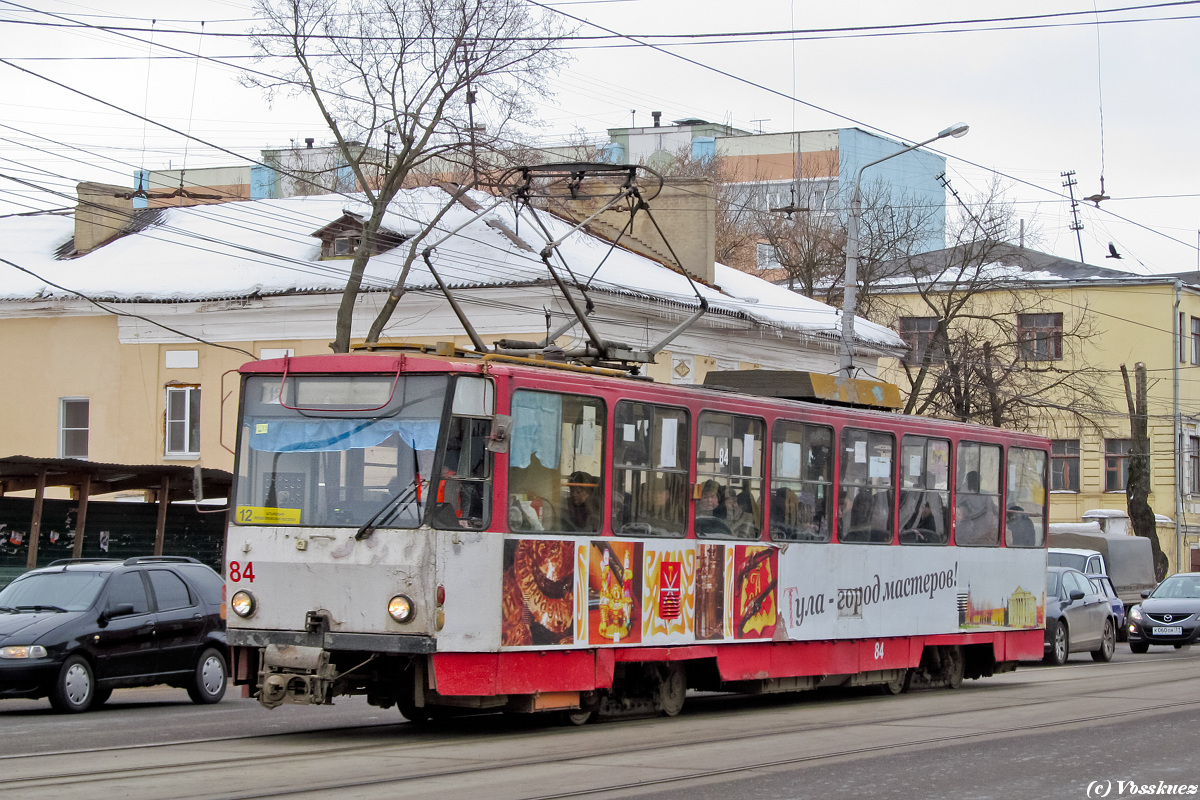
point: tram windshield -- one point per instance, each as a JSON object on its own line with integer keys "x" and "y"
{"x": 338, "y": 450}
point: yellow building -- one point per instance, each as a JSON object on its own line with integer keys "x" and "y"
{"x": 1046, "y": 318}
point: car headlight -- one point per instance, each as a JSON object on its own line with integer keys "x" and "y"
{"x": 23, "y": 651}
{"x": 1135, "y": 613}
{"x": 400, "y": 608}
{"x": 243, "y": 603}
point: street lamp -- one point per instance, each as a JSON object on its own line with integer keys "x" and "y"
{"x": 850, "y": 293}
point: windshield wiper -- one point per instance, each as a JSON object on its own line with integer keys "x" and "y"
{"x": 389, "y": 510}
{"x": 7, "y": 610}
{"x": 41, "y": 608}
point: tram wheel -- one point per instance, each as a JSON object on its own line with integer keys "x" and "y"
{"x": 898, "y": 685}
{"x": 412, "y": 713}
{"x": 576, "y": 717}
{"x": 672, "y": 688}
{"x": 954, "y": 666}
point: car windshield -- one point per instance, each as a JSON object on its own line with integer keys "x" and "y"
{"x": 1179, "y": 586}
{"x": 1073, "y": 560}
{"x": 52, "y": 591}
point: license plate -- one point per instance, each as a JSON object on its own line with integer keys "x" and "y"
{"x": 1171, "y": 631}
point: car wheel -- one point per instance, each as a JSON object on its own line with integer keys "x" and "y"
{"x": 1138, "y": 647}
{"x": 209, "y": 679}
{"x": 1108, "y": 643}
{"x": 1060, "y": 644}
{"x": 100, "y": 695}
{"x": 75, "y": 688}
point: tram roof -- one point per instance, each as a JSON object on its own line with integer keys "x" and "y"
{"x": 754, "y": 394}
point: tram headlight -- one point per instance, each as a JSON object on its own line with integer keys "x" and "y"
{"x": 243, "y": 603}
{"x": 400, "y": 608}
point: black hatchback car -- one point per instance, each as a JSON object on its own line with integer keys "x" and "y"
{"x": 1169, "y": 615}
{"x": 79, "y": 628}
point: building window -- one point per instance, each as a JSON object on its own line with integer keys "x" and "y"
{"x": 1064, "y": 465}
{"x": 1196, "y": 340}
{"x": 183, "y": 421}
{"x": 918, "y": 333}
{"x": 1040, "y": 336}
{"x": 768, "y": 256}
{"x": 1182, "y": 338}
{"x": 73, "y": 416}
{"x": 1116, "y": 464}
{"x": 1194, "y": 463}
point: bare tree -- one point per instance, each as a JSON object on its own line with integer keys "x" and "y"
{"x": 402, "y": 78}
{"x": 809, "y": 243}
{"x": 972, "y": 359}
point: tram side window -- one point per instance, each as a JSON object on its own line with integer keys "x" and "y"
{"x": 865, "y": 495}
{"x": 924, "y": 490}
{"x": 650, "y": 469}
{"x": 801, "y": 482}
{"x": 729, "y": 469}
{"x": 554, "y": 464}
{"x": 977, "y": 495}
{"x": 1025, "y": 516}
{"x": 464, "y": 489}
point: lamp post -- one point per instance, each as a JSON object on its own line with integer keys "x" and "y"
{"x": 850, "y": 292}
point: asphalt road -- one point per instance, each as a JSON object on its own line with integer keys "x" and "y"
{"x": 1040, "y": 732}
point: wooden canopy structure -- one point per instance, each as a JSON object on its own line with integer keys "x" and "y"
{"x": 162, "y": 483}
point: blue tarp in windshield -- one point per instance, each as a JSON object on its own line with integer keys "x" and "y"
{"x": 335, "y": 435}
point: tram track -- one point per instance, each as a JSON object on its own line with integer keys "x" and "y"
{"x": 181, "y": 769}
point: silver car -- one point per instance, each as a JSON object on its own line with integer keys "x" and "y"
{"x": 1078, "y": 618}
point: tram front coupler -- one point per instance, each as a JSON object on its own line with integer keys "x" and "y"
{"x": 296, "y": 675}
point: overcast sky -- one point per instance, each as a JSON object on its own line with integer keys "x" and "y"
{"x": 1031, "y": 92}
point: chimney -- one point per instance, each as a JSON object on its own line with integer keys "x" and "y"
{"x": 656, "y": 115}
{"x": 685, "y": 210}
{"x": 103, "y": 213}
{"x": 309, "y": 141}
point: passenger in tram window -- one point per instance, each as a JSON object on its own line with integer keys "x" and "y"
{"x": 976, "y": 518}
{"x": 737, "y": 512}
{"x": 582, "y": 512}
{"x": 927, "y": 524}
{"x": 854, "y": 519}
{"x": 1020, "y": 528}
{"x": 707, "y": 522}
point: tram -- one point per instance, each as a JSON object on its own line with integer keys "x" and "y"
{"x": 452, "y": 533}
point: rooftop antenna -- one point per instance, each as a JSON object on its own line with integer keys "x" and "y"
{"x": 191, "y": 108}
{"x": 760, "y": 123}
{"x": 1096, "y": 198}
{"x": 1069, "y": 184}
{"x": 146, "y": 108}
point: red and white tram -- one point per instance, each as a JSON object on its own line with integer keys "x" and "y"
{"x": 484, "y": 533}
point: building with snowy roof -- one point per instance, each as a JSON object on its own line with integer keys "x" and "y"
{"x": 121, "y": 327}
